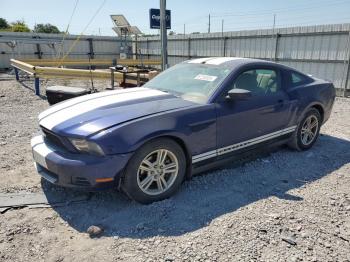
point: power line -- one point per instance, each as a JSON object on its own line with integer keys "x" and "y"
{"x": 289, "y": 9}
{"x": 85, "y": 28}
{"x": 308, "y": 23}
{"x": 315, "y": 18}
{"x": 281, "y": 18}
{"x": 290, "y": 19}
{"x": 67, "y": 28}
{"x": 264, "y": 13}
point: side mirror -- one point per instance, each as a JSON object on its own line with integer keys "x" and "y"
{"x": 238, "y": 94}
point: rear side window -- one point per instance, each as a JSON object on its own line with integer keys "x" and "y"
{"x": 298, "y": 79}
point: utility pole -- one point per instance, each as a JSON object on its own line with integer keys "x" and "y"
{"x": 184, "y": 29}
{"x": 222, "y": 27}
{"x": 274, "y": 55}
{"x": 163, "y": 34}
{"x": 347, "y": 75}
{"x": 209, "y": 25}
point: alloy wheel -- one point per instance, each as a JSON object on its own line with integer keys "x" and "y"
{"x": 157, "y": 172}
{"x": 309, "y": 130}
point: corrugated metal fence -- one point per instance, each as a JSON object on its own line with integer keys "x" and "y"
{"x": 322, "y": 51}
{"x": 31, "y": 45}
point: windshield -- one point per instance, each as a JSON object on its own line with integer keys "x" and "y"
{"x": 193, "y": 82}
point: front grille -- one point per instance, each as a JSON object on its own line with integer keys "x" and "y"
{"x": 81, "y": 181}
{"x": 52, "y": 138}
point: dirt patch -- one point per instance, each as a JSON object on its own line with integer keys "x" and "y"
{"x": 289, "y": 206}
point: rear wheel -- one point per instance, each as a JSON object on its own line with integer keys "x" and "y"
{"x": 155, "y": 171}
{"x": 307, "y": 131}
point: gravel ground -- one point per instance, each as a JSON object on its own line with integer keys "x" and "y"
{"x": 287, "y": 206}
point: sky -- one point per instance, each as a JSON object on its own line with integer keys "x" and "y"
{"x": 194, "y": 14}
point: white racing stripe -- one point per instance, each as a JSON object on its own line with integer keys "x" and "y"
{"x": 80, "y": 99}
{"x": 204, "y": 156}
{"x": 199, "y": 60}
{"x": 214, "y": 60}
{"x": 234, "y": 147}
{"x": 254, "y": 141}
{"x": 71, "y": 109}
{"x": 221, "y": 60}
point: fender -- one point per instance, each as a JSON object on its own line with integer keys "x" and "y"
{"x": 195, "y": 127}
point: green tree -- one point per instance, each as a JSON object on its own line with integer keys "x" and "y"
{"x": 46, "y": 28}
{"x": 4, "y": 24}
{"x": 19, "y": 26}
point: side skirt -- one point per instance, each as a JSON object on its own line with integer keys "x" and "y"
{"x": 241, "y": 156}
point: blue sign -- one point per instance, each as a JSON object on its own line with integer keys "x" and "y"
{"x": 154, "y": 18}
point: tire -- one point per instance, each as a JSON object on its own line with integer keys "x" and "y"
{"x": 298, "y": 141}
{"x": 146, "y": 176}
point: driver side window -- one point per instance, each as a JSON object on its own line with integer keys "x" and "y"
{"x": 259, "y": 82}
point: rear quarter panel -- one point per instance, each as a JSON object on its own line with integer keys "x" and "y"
{"x": 318, "y": 93}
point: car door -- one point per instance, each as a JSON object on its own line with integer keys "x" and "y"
{"x": 241, "y": 123}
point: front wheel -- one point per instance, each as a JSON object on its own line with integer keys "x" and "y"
{"x": 307, "y": 131}
{"x": 155, "y": 171}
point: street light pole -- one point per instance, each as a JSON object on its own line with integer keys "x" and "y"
{"x": 163, "y": 34}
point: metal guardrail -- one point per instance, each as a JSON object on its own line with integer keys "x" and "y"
{"x": 94, "y": 62}
{"x": 30, "y": 69}
{"x": 54, "y": 72}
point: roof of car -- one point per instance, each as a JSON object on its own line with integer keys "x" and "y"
{"x": 237, "y": 62}
{"x": 229, "y": 61}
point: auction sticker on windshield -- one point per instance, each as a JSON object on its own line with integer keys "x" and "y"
{"x": 205, "y": 78}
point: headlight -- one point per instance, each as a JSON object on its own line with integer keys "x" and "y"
{"x": 86, "y": 146}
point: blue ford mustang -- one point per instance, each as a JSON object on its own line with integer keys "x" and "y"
{"x": 192, "y": 116}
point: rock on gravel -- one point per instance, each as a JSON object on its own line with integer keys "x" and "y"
{"x": 95, "y": 231}
{"x": 290, "y": 240}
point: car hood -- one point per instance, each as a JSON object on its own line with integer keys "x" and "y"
{"x": 89, "y": 114}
